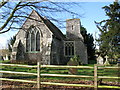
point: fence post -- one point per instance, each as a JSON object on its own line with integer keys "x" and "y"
{"x": 95, "y": 77}
{"x": 38, "y": 76}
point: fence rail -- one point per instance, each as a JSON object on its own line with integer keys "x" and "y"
{"x": 18, "y": 80}
{"x": 108, "y": 77}
{"x": 66, "y": 84}
{"x": 23, "y": 73}
{"x": 108, "y": 67}
{"x": 28, "y": 66}
{"x": 59, "y": 66}
{"x": 38, "y": 74}
{"x": 61, "y": 75}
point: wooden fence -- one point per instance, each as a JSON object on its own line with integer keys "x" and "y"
{"x": 38, "y": 74}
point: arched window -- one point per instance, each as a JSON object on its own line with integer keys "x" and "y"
{"x": 27, "y": 42}
{"x": 32, "y": 41}
{"x": 38, "y": 41}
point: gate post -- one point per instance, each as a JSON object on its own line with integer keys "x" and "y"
{"x": 38, "y": 75}
{"x": 95, "y": 77}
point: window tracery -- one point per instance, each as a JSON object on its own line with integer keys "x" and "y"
{"x": 32, "y": 40}
{"x": 69, "y": 48}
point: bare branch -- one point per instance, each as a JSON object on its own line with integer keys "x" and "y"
{"x": 10, "y": 17}
{"x": 28, "y": 18}
{"x": 3, "y": 3}
{"x": 7, "y": 29}
{"x": 13, "y": 14}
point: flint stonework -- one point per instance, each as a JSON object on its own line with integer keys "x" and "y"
{"x": 41, "y": 36}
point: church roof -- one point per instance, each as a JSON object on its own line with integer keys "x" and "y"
{"x": 56, "y": 31}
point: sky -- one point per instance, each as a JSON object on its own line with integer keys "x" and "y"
{"x": 91, "y": 11}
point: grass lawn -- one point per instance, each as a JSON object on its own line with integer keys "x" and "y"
{"x": 87, "y": 72}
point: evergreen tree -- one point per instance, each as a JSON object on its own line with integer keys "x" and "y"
{"x": 110, "y": 32}
{"x": 11, "y": 42}
{"x": 89, "y": 41}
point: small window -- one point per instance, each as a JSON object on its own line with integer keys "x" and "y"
{"x": 38, "y": 41}
{"x": 28, "y": 42}
{"x": 69, "y": 48}
{"x": 33, "y": 41}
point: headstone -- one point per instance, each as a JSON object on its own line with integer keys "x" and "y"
{"x": 106, "y": 62}
{"x": 100, "y": 60}
{"x": 73, "y": 70}
{"x": 5, "y": 57}
{"x": 118, "y": 62}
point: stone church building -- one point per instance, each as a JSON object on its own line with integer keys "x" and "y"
{"x": 40, "y": 39}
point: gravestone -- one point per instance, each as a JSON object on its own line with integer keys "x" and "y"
{"x": 100, "y": 60}
{"x": 73, "y": 63}
{"x": 6, "y": 57}
{"x": 106, "y": 62}
{"x": 118, "y": 62}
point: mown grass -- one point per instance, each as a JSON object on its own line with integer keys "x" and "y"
{"x": 5, "y": 61}
{"x": 88, "y": 72}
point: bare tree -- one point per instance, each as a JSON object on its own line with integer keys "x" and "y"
{"x": 13, "y": 14}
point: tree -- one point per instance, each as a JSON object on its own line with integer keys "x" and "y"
{"x": 89, "y": 41}
{"x": 11, "y": 42}
{"x": 13, "y": 14}
{"x": 110, "y": 32}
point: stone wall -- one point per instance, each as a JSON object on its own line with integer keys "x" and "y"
{"x": 81, "y": 50}
{"x": 51, "y": 46}
{"x": 57, "y": 51}
{"x": 74, "y": 34}
{"x": 45, "y": 40}
{"x": 33, "y": 57}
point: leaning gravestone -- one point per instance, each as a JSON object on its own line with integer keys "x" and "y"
{"x": 73, "y": 63}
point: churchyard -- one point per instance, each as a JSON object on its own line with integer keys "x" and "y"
{"x": 41, "y": 56}
{"x": 60, "y": 71}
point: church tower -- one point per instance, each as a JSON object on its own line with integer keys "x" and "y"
{"x": 74, "y": 45}
{"x": 73, "y": 29}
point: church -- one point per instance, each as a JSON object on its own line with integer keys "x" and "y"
{"x": 40, "y": 39}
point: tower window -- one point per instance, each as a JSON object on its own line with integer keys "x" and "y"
{"x": 69, "y": 48}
